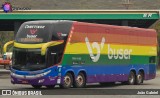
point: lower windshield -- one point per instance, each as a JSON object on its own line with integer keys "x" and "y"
{"x": 28, "y": 60}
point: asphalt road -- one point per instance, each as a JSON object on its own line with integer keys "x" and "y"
{"x": 92, "y": 89}
{"x": 149, "y": 84}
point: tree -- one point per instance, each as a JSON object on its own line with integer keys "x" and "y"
{"x": 5, "y": 36}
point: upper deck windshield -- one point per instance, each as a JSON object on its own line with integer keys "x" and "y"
{"x": 34, "y": 33}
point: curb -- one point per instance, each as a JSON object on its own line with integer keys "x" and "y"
{"x": 4, "y": 73}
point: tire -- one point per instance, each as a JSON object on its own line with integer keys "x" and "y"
{"x": 67, "y": 81}
{"x": 131, "y": 78}
{"x": 80, "y": 81}
{"x": 124, "y": 83}
{"x": 139, "y": 78}
{"x": 106, "y": 83}
{"x": 50, "y": 86}
{"x": 37, "y": 86}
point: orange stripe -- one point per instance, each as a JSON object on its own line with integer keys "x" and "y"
{"x": 112, "y": 38}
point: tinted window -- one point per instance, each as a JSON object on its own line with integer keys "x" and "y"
{"x": 61, "y": 31}
{"x": 28, "y": 59}
{"x": 34, "y": 33}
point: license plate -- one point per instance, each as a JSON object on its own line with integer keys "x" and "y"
{"x": 24, "y": 82}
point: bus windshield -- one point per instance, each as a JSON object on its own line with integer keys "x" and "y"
{"x": 39, "y": 32}
{"x": 33, "y": 33}
{"x": 28, "y": 60}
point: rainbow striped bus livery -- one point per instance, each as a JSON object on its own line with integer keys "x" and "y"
{"x": 71, "y": 53}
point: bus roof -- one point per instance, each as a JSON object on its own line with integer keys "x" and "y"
{"x": 116, "y": 26}
{"x": 85, "y": 23}
{"x": 48, "y": 21}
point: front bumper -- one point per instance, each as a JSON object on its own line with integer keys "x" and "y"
{"x": 42, "y": 77}
{"x": 37, "y": 81}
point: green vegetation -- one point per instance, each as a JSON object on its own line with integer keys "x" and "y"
{"x": 5, "y": 36}
{"x": 156, "y": 26}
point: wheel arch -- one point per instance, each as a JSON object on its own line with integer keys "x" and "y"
{"x": 142, "y": 70}
{"x": 133, "y": 70}
{"x": 85, "y": 74}
{"x": 71, "y": 72}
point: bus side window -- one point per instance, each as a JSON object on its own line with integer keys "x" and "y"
{"x": 50, "y": 57}
{"x": 54, "y": 55}
{"x": 54, "y": 38}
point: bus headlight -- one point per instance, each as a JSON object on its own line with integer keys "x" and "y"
{"x": 30, "y": 76}
{"x": 12, "y": 79}
{"x": 43, "y": 74}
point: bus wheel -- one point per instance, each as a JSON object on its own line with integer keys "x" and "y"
{"x": 50, "y": 86}
{"x": 139, "y": 78}
{"x": 80, "y": 81}
{"x": 68, "y": 81}
{"x": 37, "y": 86}
{"x": 131, "y": 78}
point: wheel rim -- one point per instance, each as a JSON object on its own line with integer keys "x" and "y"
{"x": 79, "y": 80}
{"x": 131, "y": 78}
{"x": 139, "y": 77}
{"x": 67, "y": 80}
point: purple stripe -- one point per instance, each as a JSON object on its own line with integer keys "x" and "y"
{"x": 90, "y": 79}
{"x": 107, "y": 78}
{"x": 150, "y": 76}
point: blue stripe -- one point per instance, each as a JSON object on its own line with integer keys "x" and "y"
{"x": 109, "y": 69}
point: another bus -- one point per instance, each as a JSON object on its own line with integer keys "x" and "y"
{"x": 71, "y": 54}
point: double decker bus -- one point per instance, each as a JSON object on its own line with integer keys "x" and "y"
{"x": 71, "y": 53}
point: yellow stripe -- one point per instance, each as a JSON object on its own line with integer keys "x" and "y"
{"x": 43, "y": 46}
{"x": 6, "y": 45}
{"x": 19, "y": 45}
{"x": 81, "y": 48}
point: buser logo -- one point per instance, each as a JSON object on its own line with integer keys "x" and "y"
{"x": 33, "y": 31}
{"x": 118, "y": 53}
{"x": 95, "y": 58}
{"x": 60, "y": 34}
{"x": 112, "y": 53}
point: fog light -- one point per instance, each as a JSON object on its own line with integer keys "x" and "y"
{"x": 12, "y": 79}
{"x": 58, "y": 81}
{"x": 41, "y": 81}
